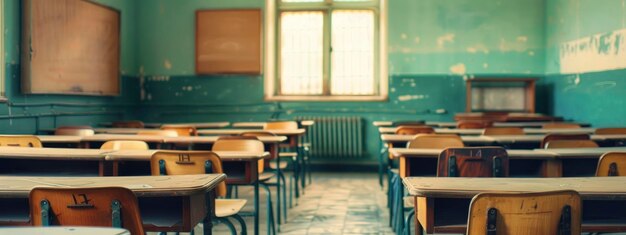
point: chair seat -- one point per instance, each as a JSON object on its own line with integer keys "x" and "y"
{"x": 228, "y": 207}
{"x": 266, "y": 176}
{"x": 283, "y": 165}
{"x": 288, "y": 154}
{"x": 409, "y": 202}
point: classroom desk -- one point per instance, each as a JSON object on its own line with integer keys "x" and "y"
{"x": 198, "y": 125}
{"x": 498, "y": 139}
{"x": 241, "y": 168}
{"x": 167, "y": 203}
{"x": 56, "y": 161}
{"x": 444, "y": 201}
{"x": 303, "y": 123}
{"x": 565, "y": 162}
{"x": 495, "y": 124}
{"x": 62, "y": 230}
{"x": 289, "y": 133}
{"x": 528, "y": 131}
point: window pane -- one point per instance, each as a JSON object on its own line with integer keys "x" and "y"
{"x": 301, "y": 53}
{"x": 352, "y": 52}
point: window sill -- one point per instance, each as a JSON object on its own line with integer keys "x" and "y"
{"x": 371, "y": 98}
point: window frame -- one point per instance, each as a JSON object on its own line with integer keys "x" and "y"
{"x": 272, "y": 49}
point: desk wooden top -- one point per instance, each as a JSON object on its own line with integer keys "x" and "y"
{"x": 212, "y": 139}
{"x": 496, "y": 124}
{"x": 434, "y": 153}
{"x": 304, "y": 123}
{"x": 581, "y": 152}
{"x": 147, "y": 186}
{"x": 608, "y": 188}
{"x": 528, "y": 131}
{"x": 496, "y": 139}
{"x": 239, "y": 131}
{"x": 126, "y": 131}
{"x": 53, "y": 153}
{"x": 66, "y": 139}
{"x": 58, "y": 230}
{"x": 145, "y": 155}
{"x": 198, "y": 125}
{"x": 108, "y": 137}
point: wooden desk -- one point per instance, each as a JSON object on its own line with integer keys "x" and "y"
{"x": 444, "y": 201}
{"x": 167, "y": 203}
{"x": 499, "y": 139}
{"x": 59, "y": 230}
{"x": 528, "y": 131}
{"x": 52, "y": 161}
{"x": 124, "y": 131}
{"x": 496, "y": 124}
{"x": 60, "y": 139}
{"x": 198, "y": 125}
{"x": 539, "y": 162}
{"x": 289, "y": 133}
{"x": 303, "y": 123}
{"x": 211, "y": 139}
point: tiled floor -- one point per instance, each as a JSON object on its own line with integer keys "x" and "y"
{"x": 335, "y": 203}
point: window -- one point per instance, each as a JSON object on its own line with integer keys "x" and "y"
{"x": 325, "y": 50}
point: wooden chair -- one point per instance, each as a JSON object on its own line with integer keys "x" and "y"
{"x": 557, "y": 212}
{"x": 182, "y": 130}
{"x": 414, "y": 130}
{"x": 559, "y": 144}
{"x": 503, "y": 131}
{"x": 280, "y": 125}
{"x": 555, "y": 136}
{"x": 612, "y": 164}
{"x": 473, "y": 162}
{"x": 298, "y": 161}
{"x": 252, "y": 144}
{"x": 164, "y": 133}
{"x": 102, "y": 207}
{"x": 560, "y": 125}
{"x": 128, "y": 124}
{"x": 74, "y": 130}
{"x": 473, "y": 124}
{"x": 125, "y": 145}
{"x": 200, "y": 162}
{"x": 20, "y": 141}
{"x": 611, "y": 131}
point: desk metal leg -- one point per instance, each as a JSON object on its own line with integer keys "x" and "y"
{"x": 278, "y": 174}
{"x": 207, "y": 226}
{"x": 256, "y": 208}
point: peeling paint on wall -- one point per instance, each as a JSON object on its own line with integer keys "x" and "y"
{"x": 458, "y": 69}
{"x": 411, "y": 97}
{"x": 447, "y": 38}
{"x": 600, "y": 52}
{"x": 167, "y": 64}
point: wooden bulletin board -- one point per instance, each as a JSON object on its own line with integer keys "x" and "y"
{"x": 70, "y": 47}
{"x": 228, "y": 41}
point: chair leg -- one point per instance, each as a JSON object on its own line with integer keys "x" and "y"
{"x": 281, "y": 177}
{"x": 242, "y": 223}
{"x": 271, "y": 228}
{"x": 407, "y": 222}
{"x": 230, "y": 225}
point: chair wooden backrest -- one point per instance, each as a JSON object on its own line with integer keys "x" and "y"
{"x": 164, "y": 133}
{"x": 473, "y": 162}
{"x": 611, "y": 131}
{"x": 125, "y": 145}
{"x": 612, "y": 164}
{"x": 74, "y": 130}
{"x": 557, "y": 212}
{"x": 503, "y": 131}
{"x": 557, "y": 136}
{"x": 20, "y": 141}
{"x": 473, "y": 124}
{"x": 414, "y": 130}
{"x": 99, "y": 207}
{"x": 280, "y": 125}
{"x": 435, "y": 141}
{"x": 172, "y": 162}
{"x": 560, "y": 125}
{"x": 128, "y": 124}
{"x": 241, "y": 143}
{"x": 559, "y": 144}
{"x": 182, "y": 130}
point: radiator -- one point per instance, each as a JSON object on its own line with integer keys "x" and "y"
{"x": 334, "y": 137}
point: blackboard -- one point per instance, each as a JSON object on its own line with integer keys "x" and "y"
{"x": 70, "y": 47}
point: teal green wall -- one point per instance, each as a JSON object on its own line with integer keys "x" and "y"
{"x": 430, "y": 41}
{"x": 27, "y": 113}
{"x": 597, "y": 97}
